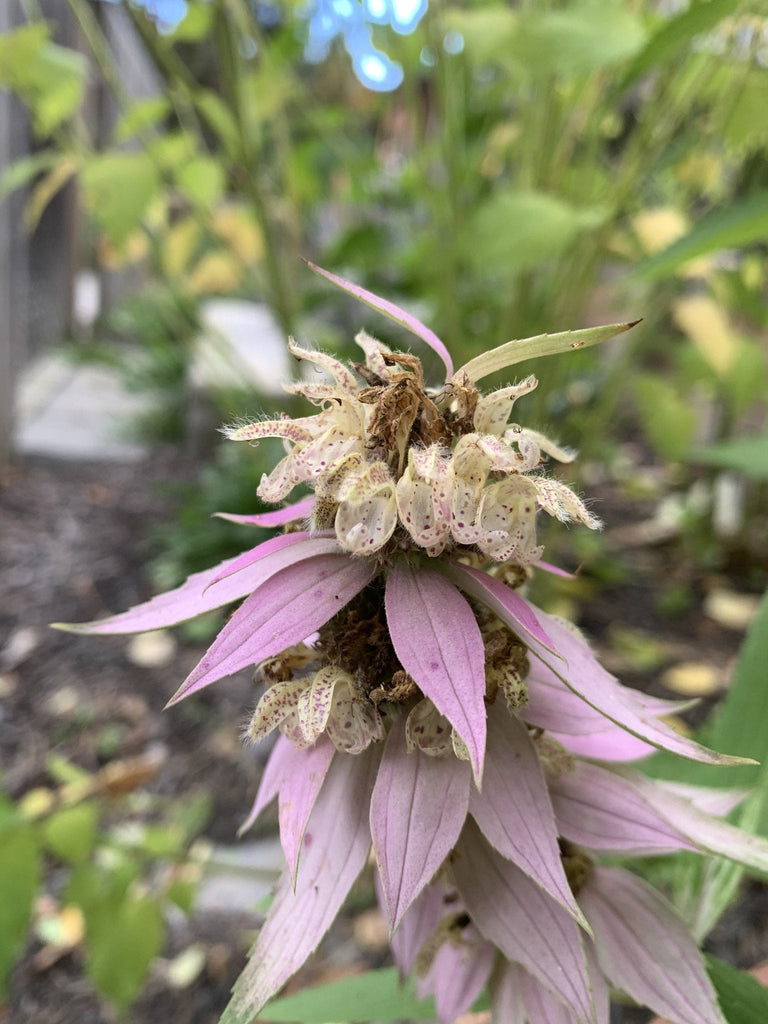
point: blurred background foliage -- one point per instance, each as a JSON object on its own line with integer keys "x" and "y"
{"x": 501, "y": 169}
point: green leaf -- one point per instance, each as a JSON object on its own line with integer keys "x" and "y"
{"x": 748, "y": 455}
{"x": 22, "y": 172}
{"x": 488, "y": 31}
{"x": 20, "y": 879}
{"x": 121, "y": 947}
{"x": 738, "y": 724}
{"x": 513, "y": 352}
{"x": 517, "y": 230}
{"x": 373, "y": 996}
{"x": 578, "y": 40}
{"x": 669, "y": 421}
{"x": 19, "y": 52}
{"x": 196, "y": 24}
{"x": 677, "y": 33}
{"x": 746, "y": 129}
{"x": 739, "y": 224}
{"x": 70, "y": 834}
{"x": 60, "y": 87}
{"x": 219, "y": 119}
{"x": 50, "y": 79}
{"x": 742, "y": 998}
{"x": 202, "y": 180}
{"x": 117, "y": 189}
{"x": 141, "y": 117}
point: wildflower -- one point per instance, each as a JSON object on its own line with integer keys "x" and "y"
{"x": 428, "y": 710}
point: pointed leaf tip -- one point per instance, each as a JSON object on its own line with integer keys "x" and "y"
{"x": 513, "y": 352}
{"x": 390, "y": 310}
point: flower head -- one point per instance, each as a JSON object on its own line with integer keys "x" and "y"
{"x": 427, "y": 709}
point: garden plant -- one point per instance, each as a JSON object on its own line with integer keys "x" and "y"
{"x": 431, "y": 712}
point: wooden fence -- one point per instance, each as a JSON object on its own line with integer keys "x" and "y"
{"x": 37, "y": 271}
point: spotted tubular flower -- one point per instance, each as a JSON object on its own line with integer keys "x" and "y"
{"x": 429, "y": 711}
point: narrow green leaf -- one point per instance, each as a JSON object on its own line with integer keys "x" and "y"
{"x": 677, "y": 33}
{"x": 541, "y": 345}
{"x": 373, "y": 996}
{"x": 742, "y": 998}
{"x": 20, "y": 878}
{"x": 219, "y": 119}
{"x": 743, "y": 222}
{"x": 747, "y": 455}
{"x": 22, "y": 172}
{"x": 738, "y": 725}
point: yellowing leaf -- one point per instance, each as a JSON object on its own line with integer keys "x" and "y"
{"x": 706, "y": 324}
{"x": 216, "y": 273}
{"x": 656, "y": 229}
{"x": 179, "y": 246}
{"x": 236, "y": 226}
{"x": 47, "y": 187}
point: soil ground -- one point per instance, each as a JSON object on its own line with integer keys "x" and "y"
{"x": 74, "y": 546}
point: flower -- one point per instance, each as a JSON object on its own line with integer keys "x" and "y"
{"x": 428, "y": 710}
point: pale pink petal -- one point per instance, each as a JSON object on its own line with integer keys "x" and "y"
{"x": 582, "y": 673}
{"x": 555, "y": 570}
{"x": 417, "y": 812}
{"x": 417, "y": 924}
{"x": 708, "y": 833}
{"x": 527, "y": 925}
{"x": 438, "y": 642}
{"x": 514, "y": 811}
{"x": 299, "y": 600}
{"x": 506, "y": 996}
{"x": 284, "y": 540}
{"x": 296, "y": 775}
{"x": 645, "y": 948}
{"x": 279, "y": 517}
{"x": 559, "y": 710}
{"x": 199, "y": 594}
{"x": 336, "y": 845}
{"x": 458, "y": 975}
{"x": 598, "y": 983}
{"x": 509, "y": 606}
{"x": 603, "y": 811}
{"x": 614, "y": 744}
{"x": 541, "y": 1007}
{"x": 518, "y": 998}
{"x": 271, "y": 780}
{"x": 302, "y": 779}
{"x": 713, "y": 801}
{"x": 392, "y": 311}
